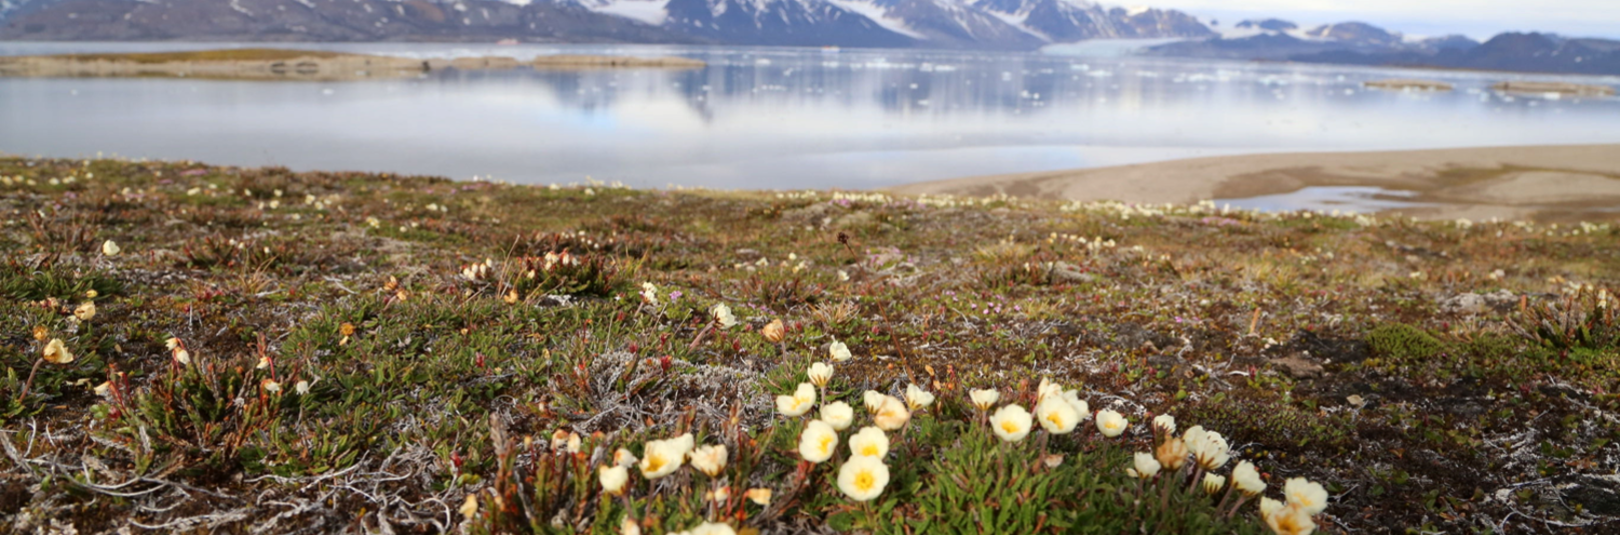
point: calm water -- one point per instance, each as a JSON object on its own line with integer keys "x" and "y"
{"x": 772, "y": 117}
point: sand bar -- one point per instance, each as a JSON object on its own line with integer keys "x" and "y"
{"x": 1553, "y": 183}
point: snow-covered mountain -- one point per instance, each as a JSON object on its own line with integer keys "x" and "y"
{"x": 1006, "y": 24}
{"x": 974, "y": 24}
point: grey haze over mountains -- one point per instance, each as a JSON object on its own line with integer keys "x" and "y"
{"x": 963, "y": 24}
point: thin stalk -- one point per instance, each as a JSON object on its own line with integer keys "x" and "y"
{"x": 30, "y": 382}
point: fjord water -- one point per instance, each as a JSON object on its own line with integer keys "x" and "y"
{"x": 773, "y": 118}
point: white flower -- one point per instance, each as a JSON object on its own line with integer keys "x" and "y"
{"x": 710, "y": 459}
{"x": 1146, "y": 465}
{"x": 760, "y": 496}
{"x": 839, "y": 351}
{"x": 1307, "y": 495}
{"x": 1011, "y": 423}
{"x": 1047, "y": 389}
{"x": 1289, "y": 519}
{"x": 863, "y": 478}
{"x": 1057, "y": 416}
{"x": 873, "y": 400}
{"x": 104, "y": 389}
{"x": 684, "y": 443}
{"x": 613, "y": 478}
{"x": 649, "y": 293}
{"x": 301, "y": 387}
{"x": 799, "y": 403}
{"x": 984, "y": 399}
{"x": 1208, "y": 447}
{"x": 1080, "y": 405}
{"x": 56, "y": 352}
{"x": 1172, "y": 454}
{"x": 712, "y": 528}
{"x": 1165, "y": 424}
{"x": 869, "y": 442}
{"x": 892, "y": 415}
{"x": 722, "y": 315}
{"x": 623, "y": 457}
{"x": 85, "y": 311}
{"x": 110, "y": 248}
{"x": 817, "y": 442}
{"x": 1213, "y": 483}
{"x": 662, "y": 458}
{"x": 470, "y": 507}
{"x": 820, "y": 373}
{"x": 838, "y": 414}
{"x": 917, "y": 398}
{"x": 1110, "y": 423}
{"x": 629, "y": 526}
{"x": 1247, "y": 479}
{"x": 271, "y": 386}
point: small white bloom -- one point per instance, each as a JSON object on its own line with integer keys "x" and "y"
{"x": 110, "y": 248}
{"x": 839, "y": 351}
{"x": 820, "y": 373}
{"x": 1213, "y": 483}
{"x": 1111, "y": 423}
{"x": 613, "y": 478}
{"x": 838, "y": 414}
{"x": 1011, "y": 423}
{"x": 1057, "y": 416}
{"x": 1307, "y": 495}
{"x": 1146, "y": 465}
{"x": 869, "y": 442}
{"x": 892, "y": 415}
{"x": 817, "y": 442}
{"x": 798, "y": 403}
{"x": 917, "y": 398}
{"x": 1247, "y": 479}
{"x": 873, "y": 400}
{"x": 662, "y": 458}
{"x": 710, "y": 459}
{"x": 1208, "y": 447}
{"x": 863, "y": 478}
{"x": 984, "y": 399}
{"x": 1165, "y": 424}
{"x": 56, "y": 352}
{"x": 722, "y": 315}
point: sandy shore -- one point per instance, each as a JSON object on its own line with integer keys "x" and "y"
{"x": 1553, "y": 183}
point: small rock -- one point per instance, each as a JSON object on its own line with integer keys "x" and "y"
{"x": 1298, "y": 366}
{"x": 854, "y": 220}
{"x": 1066, "y": 272}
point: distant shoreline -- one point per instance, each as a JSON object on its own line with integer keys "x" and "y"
{"x": 1553, "y": 183}
{"x": 296, "y": 64}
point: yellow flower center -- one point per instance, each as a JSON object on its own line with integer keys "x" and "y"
{"x": 870, "y": 450}
{"x": 1009, "y": 426}
{"x": 654, "y": 462}
{"x": 826, "y": 443}
{"x": 864, "y": 481}
{"x": 1055, "y": 418}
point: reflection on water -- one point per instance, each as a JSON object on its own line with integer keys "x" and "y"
{"x": 1345, "y": 199}
{"x": 772, "y": 117}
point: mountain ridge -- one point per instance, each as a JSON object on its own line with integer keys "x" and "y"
{"x": 964, "y": 24}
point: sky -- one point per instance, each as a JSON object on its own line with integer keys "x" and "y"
{"x": 1479, "y": 19}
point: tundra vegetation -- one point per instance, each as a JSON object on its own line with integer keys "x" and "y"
{"x": 197, "y": 349}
